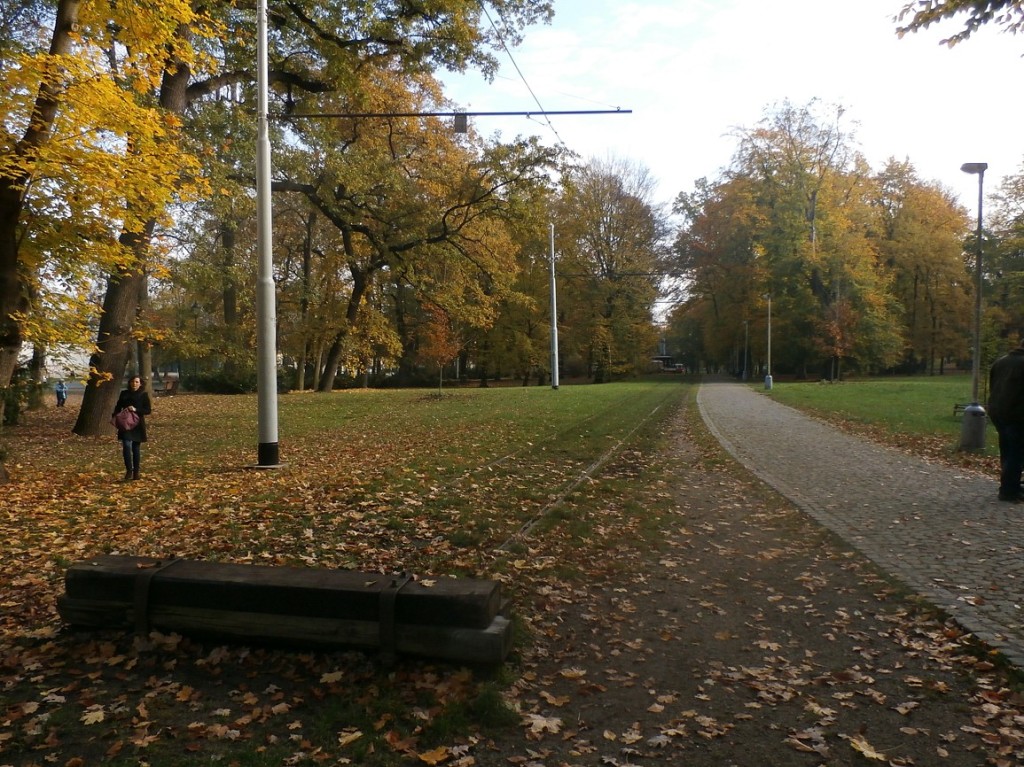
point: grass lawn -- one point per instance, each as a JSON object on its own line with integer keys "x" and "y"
{"x": 377, "y": 481}
{"x": 594, "y": 506}
{"x": 913, "y": 413}
{"x": 447, "y": 474}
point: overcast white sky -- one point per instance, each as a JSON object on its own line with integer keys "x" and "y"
{"x": 693, "y": 70}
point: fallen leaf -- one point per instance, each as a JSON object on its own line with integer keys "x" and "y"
{"x": 631, "y": 736}
{"x": 558, "y": 701}
{"x": 437, "y": 756}
{"x": 538, "y": 724}
{"x": 93, "y": 716}
{"x": 345, "y": 737}
{"x": 861, "y": 745}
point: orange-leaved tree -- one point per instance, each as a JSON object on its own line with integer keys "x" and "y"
{"x": 438, "y": 340}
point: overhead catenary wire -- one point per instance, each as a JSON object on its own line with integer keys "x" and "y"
{"x": 357, "y": 115}
{"x": 501, "y": 39}
{"x": 288, "y": 114}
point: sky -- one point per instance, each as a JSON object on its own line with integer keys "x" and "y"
{"x": 694, "y": 71}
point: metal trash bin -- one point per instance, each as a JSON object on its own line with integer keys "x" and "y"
{"x": 972, "y": 429}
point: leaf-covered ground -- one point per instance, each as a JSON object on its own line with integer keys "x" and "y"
{"x": 670, "y": 610}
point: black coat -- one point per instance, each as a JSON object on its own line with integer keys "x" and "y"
{"x": 1006, "y": 389}
{"x": 142, "y": 406}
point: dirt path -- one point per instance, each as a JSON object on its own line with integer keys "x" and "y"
{"x": 748, "y": 635}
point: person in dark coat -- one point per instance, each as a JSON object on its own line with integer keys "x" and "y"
{"x": 1006, "y": 411}
{"x": 136, "y": 399}
{"x": 61, "y": 390}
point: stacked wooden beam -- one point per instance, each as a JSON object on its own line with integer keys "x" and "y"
{"x": 447, "y": 618}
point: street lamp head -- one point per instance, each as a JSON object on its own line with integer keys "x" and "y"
{"x": 974, "y": 167}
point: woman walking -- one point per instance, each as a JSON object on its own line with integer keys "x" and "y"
{"x": 136, "y": 400}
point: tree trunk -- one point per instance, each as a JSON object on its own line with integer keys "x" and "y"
{"x": 145, "y": 357}
{"x": 307, "y": 272}
{"x": 108, "y": 362}
{"x": 37, "y": 367}
{"x": 36, "y": 376}
{"x": 12, "y": 294}
{"x": 229, "y": 297}
{"x": 13, "y": 184}
{"x": 360, "y": 284}
{"x": 483, "y": 362}
{"x": 143, "y": 347}
{"x": 407, "y": 361}
{"x": 124, "y": 290}
{"x": 332, "y": 364}
{"x": 300, "y": 372}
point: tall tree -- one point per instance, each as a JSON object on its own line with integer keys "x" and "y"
{"x": 80, "y": 149}
{"x": 821, "y": 266}
{"x": 718, "y": 249}
{"x": 612, "y": 240}
{"x": 317, "y": 47}
{"x": 410, "y": 203}
{"x": 18, "y": 165}
{"x": 167, "y": 77}
{"x": 522, "y": 331}
{"x": 792, "y": 218}
{"x": 1004, "y": 255}
{"x": 921, "y": 244}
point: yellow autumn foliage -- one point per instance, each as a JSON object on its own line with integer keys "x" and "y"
{"x": 111, "y": 160}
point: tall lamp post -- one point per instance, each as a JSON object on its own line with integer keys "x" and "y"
{"x": 768, "y": 378}
{"x": 972, "y": 431}
{"x": 554, "y": 315}
{"x": 266, "y": 315}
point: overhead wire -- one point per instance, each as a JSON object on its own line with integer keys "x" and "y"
{"x": 508, "y": 51}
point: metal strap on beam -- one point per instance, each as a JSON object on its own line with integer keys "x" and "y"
{"x": 143, "y": 585}
{"x": 388, "y": 600}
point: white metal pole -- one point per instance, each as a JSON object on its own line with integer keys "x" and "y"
{"x": 554, "y": 315}
{"x": 972, "y": 429}
{"x": 976, "y": 360}
{"x": 266, "y": 319}
{"x": 768, "y": 378}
